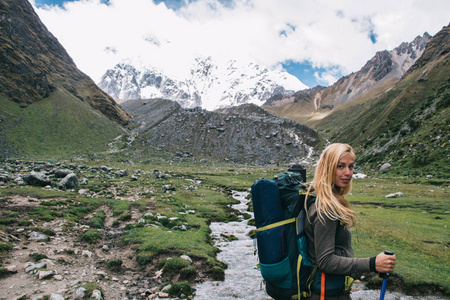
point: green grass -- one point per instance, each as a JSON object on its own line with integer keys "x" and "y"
{"x": 91, "y": 236}
{"x": 59, "y": 124}
{"x": 413, "y": 226}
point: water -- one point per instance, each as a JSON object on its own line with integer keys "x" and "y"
{"x": 243, "y": 280}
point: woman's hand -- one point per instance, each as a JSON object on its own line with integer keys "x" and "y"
{"x": 385, "y": 263}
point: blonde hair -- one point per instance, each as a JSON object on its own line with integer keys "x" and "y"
{"x": 330, "y": 200}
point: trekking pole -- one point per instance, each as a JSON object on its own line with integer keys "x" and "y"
{"x": 385, "y": 277}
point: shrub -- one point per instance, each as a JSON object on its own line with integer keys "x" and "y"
{"x": 125, "y": 216}
{"x": 38, "y": 256}
{"x": 5, "y": 247}
{"x": 218, "y": 273}
{"x": 11, "y": 214}
{"x": 180, "y": 289}
{"x": 174, "y": 265}
{"x": 91, "y": 286}
{"x": 114, "y": 265}
{"x": 91, "y": 236}
{"x": 24, "y": 223}
{"x": 145, "y": 258}
{"x": 188, "y": 273}
{"x": 3, "y": 272}
{"x": 6, "y": 221}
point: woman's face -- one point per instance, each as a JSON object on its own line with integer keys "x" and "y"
{"x": 344, "y": 171}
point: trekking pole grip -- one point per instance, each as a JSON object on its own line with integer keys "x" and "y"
{"x": 386, "y": 275}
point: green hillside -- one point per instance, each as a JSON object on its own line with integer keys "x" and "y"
{"x": 406, "y": 126}
{"x": 58, "y": 126}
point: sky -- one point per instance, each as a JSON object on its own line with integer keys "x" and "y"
{"x": 318, "y": 41}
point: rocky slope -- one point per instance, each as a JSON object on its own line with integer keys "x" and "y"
{"x": 380, "y": 73}
{"x": 211, "y": 84}
{"x": 33, "y": 64}
{"x": 245, "y": 134}
{"x": 406, "y": 126}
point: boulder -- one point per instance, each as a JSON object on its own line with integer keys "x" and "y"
{"x": 385, "y": 166}
{"x": 61, "y": 173}
{"x": 79, "y": 293}
{"x": 37, "y": 178}
{"x": 168, "y": 187}
{"x": 56, "y": 297}
{"x": 69, "y": 182}
{"x": 37, "y": 236}
{"x": 97, "y": 294}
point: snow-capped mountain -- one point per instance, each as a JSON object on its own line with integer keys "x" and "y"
{"x": 211, "y": 85}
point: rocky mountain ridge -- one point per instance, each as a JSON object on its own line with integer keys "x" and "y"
{"x": 211, "y": 84}
{"x": 242, "y": 134}
{"x": 34, "y": 64}
{"x": 379, "y": 74}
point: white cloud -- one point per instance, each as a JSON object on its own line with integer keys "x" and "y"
{"x": 330, "y": 34}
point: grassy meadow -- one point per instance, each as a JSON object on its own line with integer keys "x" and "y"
{"x": 413, "y": 226}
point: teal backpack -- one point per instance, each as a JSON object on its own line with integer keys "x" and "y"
{"x": 282, "y": 247}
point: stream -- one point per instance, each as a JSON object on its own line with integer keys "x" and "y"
{"x": 243, "y": 280}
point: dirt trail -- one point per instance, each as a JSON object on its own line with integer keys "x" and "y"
{"x": 73, "y": 262}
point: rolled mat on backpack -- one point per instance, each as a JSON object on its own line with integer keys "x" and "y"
{"x": 272, "y": 243}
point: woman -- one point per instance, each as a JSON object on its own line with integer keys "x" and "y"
{"x": 328, "y": 225}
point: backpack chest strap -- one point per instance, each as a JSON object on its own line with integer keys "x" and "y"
{"x": 270, "y": 226}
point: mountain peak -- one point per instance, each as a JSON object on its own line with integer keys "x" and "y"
{"x": 212, "y": 84}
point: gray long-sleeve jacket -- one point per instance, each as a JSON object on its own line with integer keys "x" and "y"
{"x": 330, "y": 246}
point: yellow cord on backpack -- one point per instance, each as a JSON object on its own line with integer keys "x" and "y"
{"x": 299, "y": 264}
{"x": 270, "y": 226}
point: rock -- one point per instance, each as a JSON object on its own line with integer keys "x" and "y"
{"x": 395, "y": 195}
{"x": 185, "y": 257}
{"x": 69, "y": 182}
{"x": 86, "y": 253}
{"x": 58, "y": 277}
{"x": 159, "y": 175}
{"x": 11, "y": 269}
{"x": 61, "y": 173}
{"x": 19, "y": 181}
{"x": 4, "y": 178}
{"x": 83, "y": 191}
{"x": 45, "y": 274}
{"x": 36, "y": 178}
{"x": 79, "y": 293}
{"x": 166, "y": 288}
{"x": 56, "y": 297}
{"x": 359, "y": 176}
{"x": 385, "y": 166}
{"x": 31, "y": 267}
{"x": 101, "y": 274}
{"x": 121, "y": 173}
{"x": 37, "y": 236}
{"x": 163, "y": 295}
{"x": 63, "y": 259}
{"x": 168, "y": 187}
{"x": 96, "y": 294}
